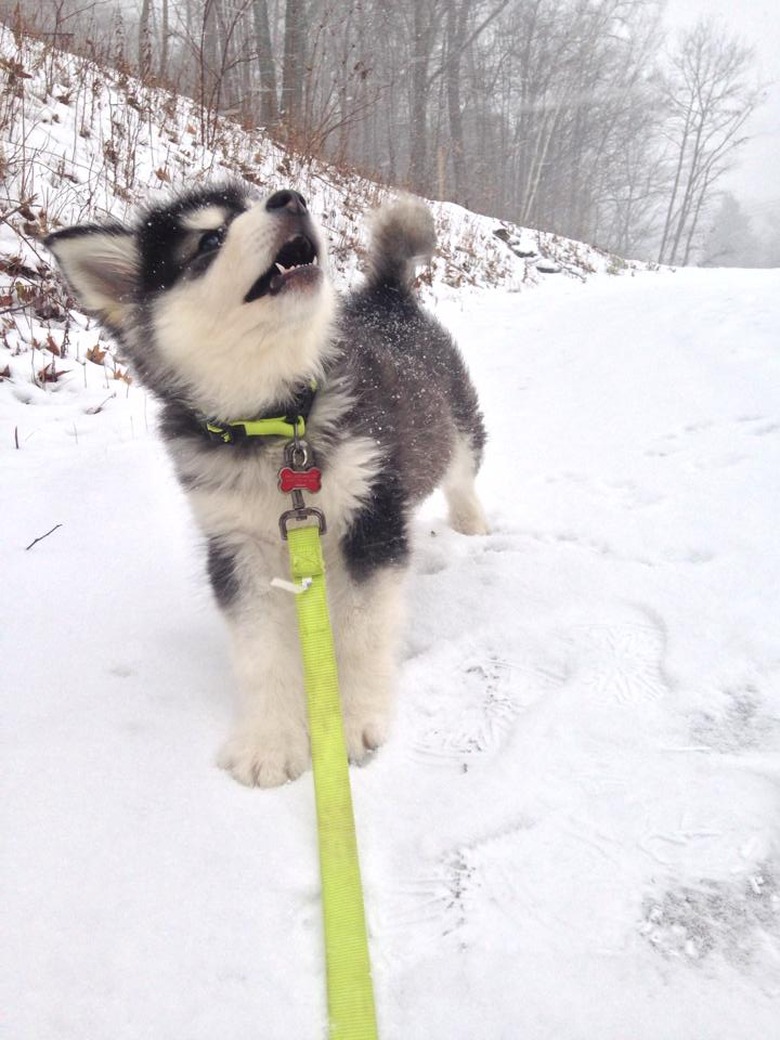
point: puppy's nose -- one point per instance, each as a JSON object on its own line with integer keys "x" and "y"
{"x": 290, "y": 200}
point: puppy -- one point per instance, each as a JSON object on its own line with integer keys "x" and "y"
{"x": 224, "y": 306}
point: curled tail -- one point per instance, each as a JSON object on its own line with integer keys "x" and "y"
{"x": 402, "y": 235}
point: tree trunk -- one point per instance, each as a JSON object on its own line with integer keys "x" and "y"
{"x": 164, "y": 40}
{"x": 293, "y": 67}
{"x": 456, "y": 35}
{"x": 144, "y": 41}
{"x": 418, "y": 145}
{"x": 675, "y": 189}
{"x": 269, "y": 107}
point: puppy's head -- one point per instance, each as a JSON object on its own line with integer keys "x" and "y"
{"x": 217, "y": 297}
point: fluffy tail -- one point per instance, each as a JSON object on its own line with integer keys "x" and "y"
{"x": 402, "y": 236}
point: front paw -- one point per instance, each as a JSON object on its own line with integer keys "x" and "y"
{"x": 259, "y": 755}
{"x": 364, "y": 733}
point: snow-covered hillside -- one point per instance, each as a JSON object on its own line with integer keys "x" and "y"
{"x": 80, "y": 142}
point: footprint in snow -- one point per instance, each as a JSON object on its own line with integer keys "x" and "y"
{"x": 485, "y": 714}
{"x": 758, "y": 425}
{"x": 711, "y": 445}
{"x": 620, "y": 663}
{"x": 447, "y": 899}
{"x": 471, "y": 719}
{"x": 433, "y": 906}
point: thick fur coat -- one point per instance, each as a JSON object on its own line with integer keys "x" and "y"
{"x": 224, "y": 306}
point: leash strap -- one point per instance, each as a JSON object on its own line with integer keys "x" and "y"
{"x": 351, "y": 1009}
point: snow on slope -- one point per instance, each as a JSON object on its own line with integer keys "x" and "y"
{"x": 79, "y": 142}
{"x": 573, "y": 832}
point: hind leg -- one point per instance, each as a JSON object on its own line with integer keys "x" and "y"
{"x": 465, "y": 510}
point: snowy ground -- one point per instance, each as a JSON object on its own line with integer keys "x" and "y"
{"x": 574, "y": 831}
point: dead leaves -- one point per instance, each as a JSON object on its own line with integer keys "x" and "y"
{"x": 96, "y": 354}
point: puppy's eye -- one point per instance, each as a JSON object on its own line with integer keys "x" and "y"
{"x": 211, "y": 241}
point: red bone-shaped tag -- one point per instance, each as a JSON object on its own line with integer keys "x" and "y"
{"x": 299, "y": 480}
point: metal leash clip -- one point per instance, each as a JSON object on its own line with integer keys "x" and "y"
{"x": 296, "y": 476}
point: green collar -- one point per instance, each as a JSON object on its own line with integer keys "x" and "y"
{"x": 230, "y": 432}
{"x": 291, "y": 423}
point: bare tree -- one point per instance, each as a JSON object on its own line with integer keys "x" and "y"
{"x": 145, "y": 40}
{"x": 426, "y": 20}
{"x": 710, "y": 98}
{"x": 548, "y": 112}
{"x": 466, "y": 21}
{"x": 165, "y": 35}
{"x": 295, "y": 24}
{"x": 269, "y": 107}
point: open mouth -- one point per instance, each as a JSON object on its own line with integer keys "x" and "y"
{"x": 296, "y": 261}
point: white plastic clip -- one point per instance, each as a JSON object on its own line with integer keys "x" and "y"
{"x": 288, "y": 586}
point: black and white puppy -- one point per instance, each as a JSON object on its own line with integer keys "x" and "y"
{"x": 224, "y": 306}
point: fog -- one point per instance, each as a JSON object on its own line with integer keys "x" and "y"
{"x": 757, "y": 22}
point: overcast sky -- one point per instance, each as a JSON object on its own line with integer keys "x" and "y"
{"x": 757, "y": 22}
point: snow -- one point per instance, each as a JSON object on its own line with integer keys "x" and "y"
{"x": 573, "y": 831}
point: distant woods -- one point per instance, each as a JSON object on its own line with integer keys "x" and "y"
{"x": 574, "y": 116}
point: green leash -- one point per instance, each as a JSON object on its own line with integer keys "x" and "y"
{"x": 351, "y": 1011}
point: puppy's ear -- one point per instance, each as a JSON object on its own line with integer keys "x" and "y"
{"x": 101, "y": 266}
